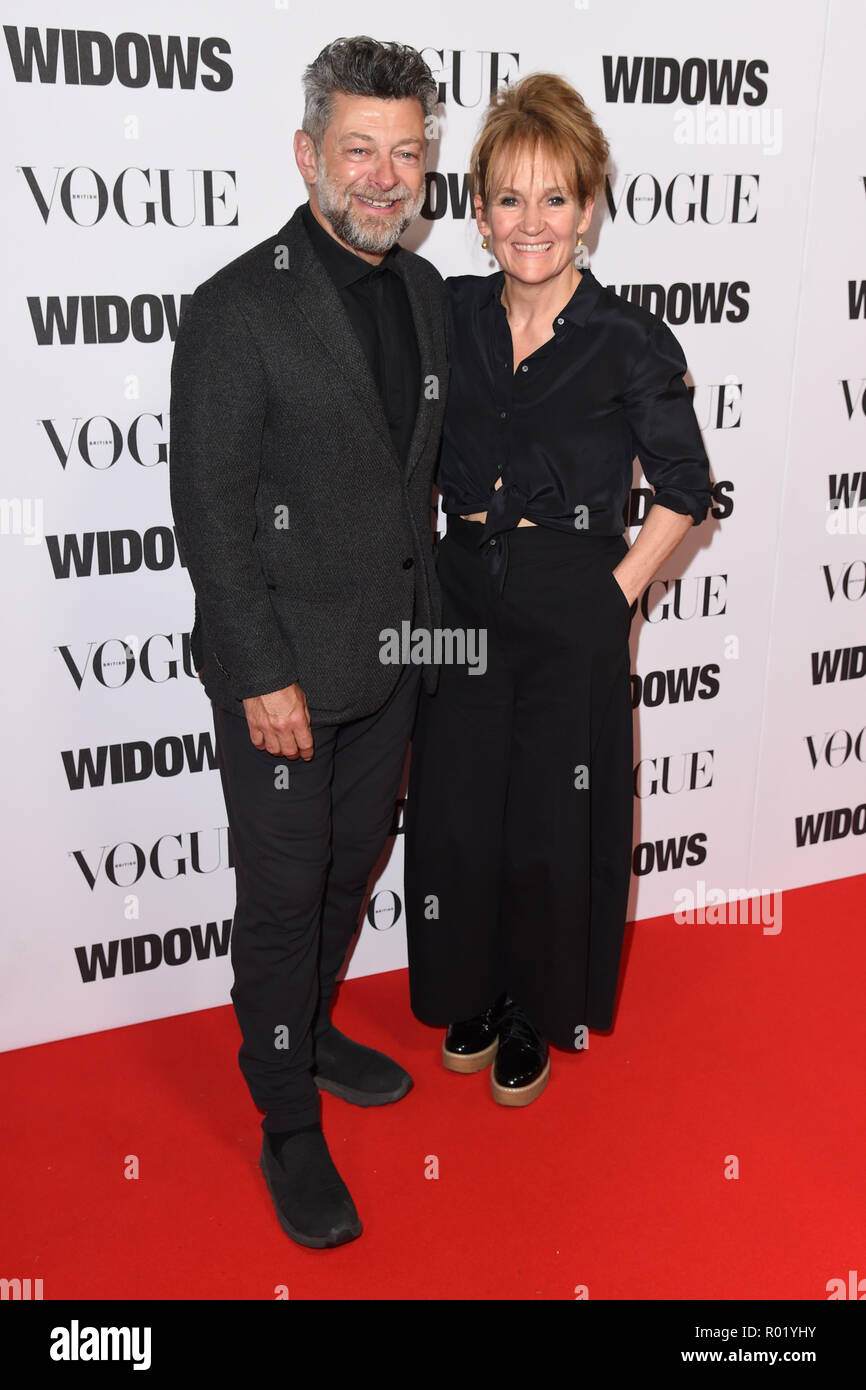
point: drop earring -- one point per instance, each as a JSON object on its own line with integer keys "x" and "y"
{"x": 581, "y": 255}
{"x": 484, "y": 243}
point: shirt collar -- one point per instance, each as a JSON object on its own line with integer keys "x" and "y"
{"x": 578, "y": 308}
{"x": 343, "y": 266}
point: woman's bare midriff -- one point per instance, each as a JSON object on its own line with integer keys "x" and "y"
{"x": 482, "y": 516}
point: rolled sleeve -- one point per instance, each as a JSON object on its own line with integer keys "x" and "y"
{"x": 666, "y": 436}
{"x": 217, "y": 413}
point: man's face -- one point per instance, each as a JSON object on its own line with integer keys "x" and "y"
{"x": 367, "y": 181}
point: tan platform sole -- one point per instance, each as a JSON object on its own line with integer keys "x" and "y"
{"x": 475, "y": 1061}
{"x": 522, "y": 1095}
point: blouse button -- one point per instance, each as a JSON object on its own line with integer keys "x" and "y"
{"x": 524, "y": 368}
{"x": 503, "y": 414}
{"x": 560, "y": 320}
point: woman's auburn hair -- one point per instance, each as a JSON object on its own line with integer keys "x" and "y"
{"x": 542, "y": 113}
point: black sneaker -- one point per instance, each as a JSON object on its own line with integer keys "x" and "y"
{"x": 522, "y": 1067}
{"x": 357, "y": 1073}
{"x": 312, "y": 1202}
{"x": 471, "y": 1044}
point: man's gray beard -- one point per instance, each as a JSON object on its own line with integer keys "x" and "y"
{"x": 336, "y": 205}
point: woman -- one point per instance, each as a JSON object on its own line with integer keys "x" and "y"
{"x": 519, "y": 811}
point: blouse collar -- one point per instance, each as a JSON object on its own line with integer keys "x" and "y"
{"x": 578, "y": 308}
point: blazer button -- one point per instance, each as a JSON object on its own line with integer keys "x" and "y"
{"x": 407, "y": 564}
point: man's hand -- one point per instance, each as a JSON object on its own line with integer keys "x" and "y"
{"x": 280, "y": 722}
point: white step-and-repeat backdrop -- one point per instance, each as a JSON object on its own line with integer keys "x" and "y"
{"x": 147, "y": 144}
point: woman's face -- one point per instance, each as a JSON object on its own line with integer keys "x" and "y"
{"x": 532, "y": 221}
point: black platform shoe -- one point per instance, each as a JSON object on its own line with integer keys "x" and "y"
{"x": 471, "y": 1044}
{"x": 522, "y": 1067}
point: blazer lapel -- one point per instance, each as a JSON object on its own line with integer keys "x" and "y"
{"x": 317, "y": 301}
{"x": 421, "y": 314}
{"x": 315, "y": 298}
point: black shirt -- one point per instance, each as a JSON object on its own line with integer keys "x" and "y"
{"x": 563, "y": 430}
{"x": 377, "y": 304}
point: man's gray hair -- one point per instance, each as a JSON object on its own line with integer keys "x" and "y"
{"x": 363, "y": 67}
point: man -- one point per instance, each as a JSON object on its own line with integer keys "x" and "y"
{"x": 308, "y": 385}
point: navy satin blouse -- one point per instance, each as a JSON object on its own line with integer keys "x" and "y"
{"x": 562, "y": 431}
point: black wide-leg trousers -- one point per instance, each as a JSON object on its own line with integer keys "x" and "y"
{"x": 305, "y": 838}
{"x": 519, "y": 810}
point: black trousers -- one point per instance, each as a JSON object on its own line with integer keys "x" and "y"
{"x": 303, "y": 855}
{"x": 520, "y": 805}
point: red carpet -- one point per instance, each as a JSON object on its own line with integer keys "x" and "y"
{"x": 727, "y": 1042}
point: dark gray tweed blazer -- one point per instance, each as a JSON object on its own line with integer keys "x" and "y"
{"x": 303, "y": 533}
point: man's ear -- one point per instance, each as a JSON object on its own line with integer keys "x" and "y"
{"x": 306, "y": 157}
